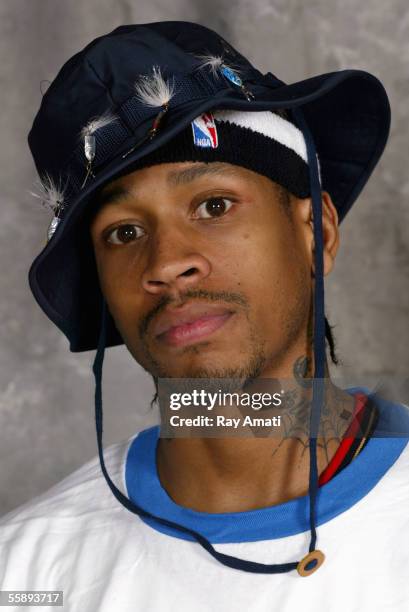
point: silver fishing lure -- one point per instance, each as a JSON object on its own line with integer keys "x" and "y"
{"x": 51, "y": 197}
{"x": 52, "y": 227}
{"x": 88, "y": 137}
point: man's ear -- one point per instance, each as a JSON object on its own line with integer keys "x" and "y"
{"x": 330, "y": 233}
{"x": 329, "y": 229}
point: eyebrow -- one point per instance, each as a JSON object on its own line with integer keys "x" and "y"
{"x": 176, "y": 177}
{"x": 187, "y": 175}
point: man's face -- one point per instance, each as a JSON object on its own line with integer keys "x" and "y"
{"x": 204, "y": 271}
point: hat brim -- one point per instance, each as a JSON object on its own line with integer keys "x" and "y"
{"x": 348, "y": 114}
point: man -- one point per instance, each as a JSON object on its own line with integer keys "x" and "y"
{"x": 196, "y": 226}
{"x": 188, "y": 238}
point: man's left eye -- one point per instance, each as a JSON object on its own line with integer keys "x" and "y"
{"x": 213, "y": 207}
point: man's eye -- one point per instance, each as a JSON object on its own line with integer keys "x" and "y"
{"x": 124, "y": 234}
{"x": 213, "y": 207}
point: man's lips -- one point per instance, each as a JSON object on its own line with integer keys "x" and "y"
{"x": 189, "y": 323}
{"x": 191, "y": 332}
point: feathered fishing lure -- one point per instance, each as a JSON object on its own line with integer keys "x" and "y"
{"x": 52, "y": 198}
{"x": 218, "y": 65}
{"x": 156, "y": 92}
{"x": 88, "y": 137}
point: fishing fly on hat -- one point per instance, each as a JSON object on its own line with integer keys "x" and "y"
{"x": 184, "y": 93}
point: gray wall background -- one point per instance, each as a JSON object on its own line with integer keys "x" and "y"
{"x": 46, "y": 401}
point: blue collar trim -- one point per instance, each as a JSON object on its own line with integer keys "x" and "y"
{"x": 338, "y": 495}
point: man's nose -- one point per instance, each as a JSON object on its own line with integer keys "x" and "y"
{"x": 174, "y": 268}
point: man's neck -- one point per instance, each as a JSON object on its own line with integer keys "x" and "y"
{"x": 239, "y": 474}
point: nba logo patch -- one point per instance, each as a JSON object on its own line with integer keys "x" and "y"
{"x": 205, "y": 131}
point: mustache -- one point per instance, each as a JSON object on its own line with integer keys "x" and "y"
{"x": 212, "y": 296}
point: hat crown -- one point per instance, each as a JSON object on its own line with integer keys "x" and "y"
{"x": 101, "y": 77}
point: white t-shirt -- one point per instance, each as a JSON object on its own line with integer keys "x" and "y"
{"x": 78, "y": 538}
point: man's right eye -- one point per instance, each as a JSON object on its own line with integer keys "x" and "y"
{"x": 123, "y": 234}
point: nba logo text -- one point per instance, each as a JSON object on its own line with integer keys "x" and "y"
{"x": 205, "y": 131}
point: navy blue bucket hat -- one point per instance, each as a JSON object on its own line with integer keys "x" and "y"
{"x": 346, "y": 111}
{"x": 93, "y": 126}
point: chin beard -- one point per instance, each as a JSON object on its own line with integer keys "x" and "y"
{"x": 212, "y": 380}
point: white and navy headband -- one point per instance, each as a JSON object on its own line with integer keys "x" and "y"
{"x": 262, "y": 141}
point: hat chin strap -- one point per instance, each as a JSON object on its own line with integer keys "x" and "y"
{"x": 314, "y": 559}
{"x": 319, "y": 318}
